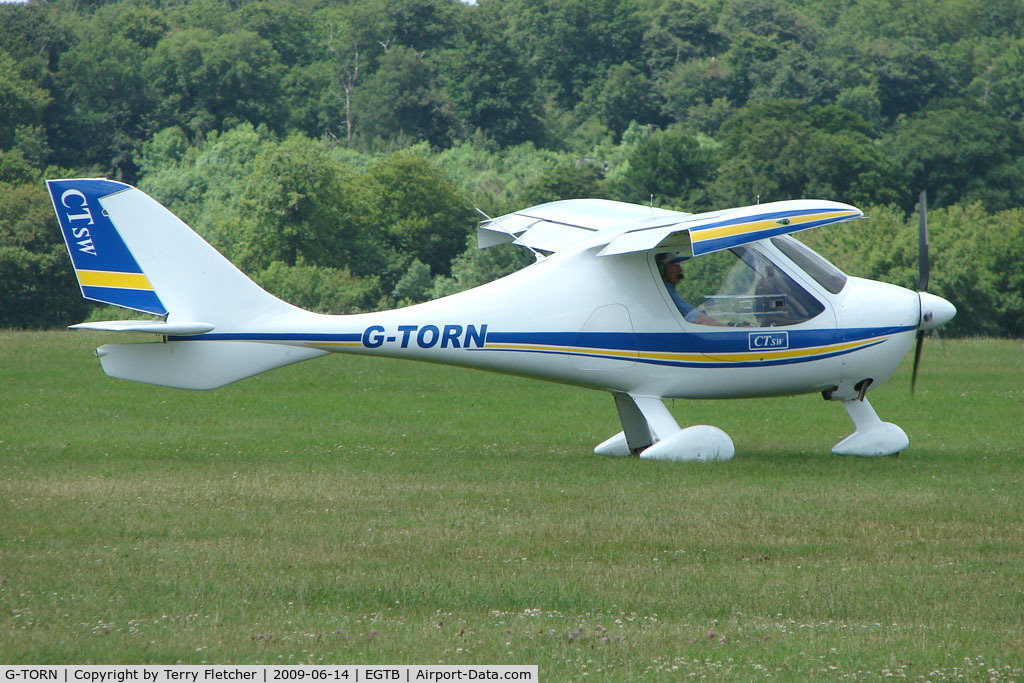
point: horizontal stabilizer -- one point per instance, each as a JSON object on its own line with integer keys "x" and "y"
{"x": 197, "y": 364}
{"x": 148, "y": 326}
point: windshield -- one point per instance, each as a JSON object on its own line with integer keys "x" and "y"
{"x": 741, "y": 288}
{"x": 812, "y": 263}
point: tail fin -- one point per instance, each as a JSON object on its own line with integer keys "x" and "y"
{"x": 130, "y": 251}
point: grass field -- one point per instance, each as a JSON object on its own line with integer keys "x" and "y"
{"x": 348, "y": 510}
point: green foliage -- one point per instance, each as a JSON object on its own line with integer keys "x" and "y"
{"x": 204, "y": 80}
{"x": 679, "y": 31}
{"x": 141, "y": 24}
{"x": 320, "y": 288}
{"x": 476, "y": 266}
{"x": 38, "y": 287}
{"x": 414, "y": 286}
{"x": 104, "y": 100}
{"x": 703, "y": 103}
{"x": 571, "y": 42}
{"x": 115, "y": 73}
{"x": 961, "y": 153}
{"x": 495, "y": 178}
{"x": 301, "y": 208}
{"x": 568, "y": 179}
{"x": 489, "y": 86}
{"x": 673, "y": 167}
{"x": 14, "y": 169}
{"x": 400, "y": 99}
{"x": 203, "y": 184}
{"x": 780, "y": 149}
{"x": 690, "y": 89}
{"x": 287, "y": 26}
{"x": 22, "y": 101}
{"x": 775, "y": 53}
{"x": 622, "y": 96}
{"x": 423, "y": 214}
{"x": 998, "y": 78}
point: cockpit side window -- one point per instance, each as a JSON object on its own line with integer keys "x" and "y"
{"x": 813, "y": 263}
{"x": 742, "y": 288}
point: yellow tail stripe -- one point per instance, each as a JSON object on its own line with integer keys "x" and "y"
{"x": 103, "y": 278}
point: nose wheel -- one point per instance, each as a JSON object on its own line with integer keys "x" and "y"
{"x": 872, "y": 436}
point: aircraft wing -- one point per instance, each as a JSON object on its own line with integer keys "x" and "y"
{"x": 561, "y": 225}
{"x": 624, "y": 228}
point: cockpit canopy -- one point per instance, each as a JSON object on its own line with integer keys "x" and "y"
{"x": 743, "y": 287}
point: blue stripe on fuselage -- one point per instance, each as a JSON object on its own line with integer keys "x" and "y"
{"x": 734, "y": 340}
{"x": 714, "y": 347}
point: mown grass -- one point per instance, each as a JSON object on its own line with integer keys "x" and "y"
{"x": 350, "y": 510}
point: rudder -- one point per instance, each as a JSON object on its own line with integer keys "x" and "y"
{"x": 106, "y": 270}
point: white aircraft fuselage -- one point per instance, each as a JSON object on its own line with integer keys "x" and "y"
{"x": 583, "y": 330}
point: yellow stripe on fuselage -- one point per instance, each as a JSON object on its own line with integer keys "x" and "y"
{"x": 329, "y": 345}
{"x": 746, "y": 357}
{"x": 104, "y": 278}
{"x": 710, "y": 357}
{"x": 664, "y": 356}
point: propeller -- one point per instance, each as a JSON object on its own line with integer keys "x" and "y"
{"x": 934, "y": 309}
{"x": 923, "y": 267}
{"x": 923, "y": 271}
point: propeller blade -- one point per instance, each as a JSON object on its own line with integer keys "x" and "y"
{"x": 917, "y": 361}
{"x": 923, "y": 267}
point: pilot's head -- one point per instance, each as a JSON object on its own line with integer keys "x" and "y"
{"x": 670, "y": 265}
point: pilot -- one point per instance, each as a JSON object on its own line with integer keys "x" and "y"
{"x": 671, "y": 269}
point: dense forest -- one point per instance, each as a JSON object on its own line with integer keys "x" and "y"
{"x": 336, "y": 151}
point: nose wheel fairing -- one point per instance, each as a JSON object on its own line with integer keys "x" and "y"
{"x": 871, "y": 437}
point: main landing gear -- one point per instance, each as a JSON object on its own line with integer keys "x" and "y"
{"x": 650, "y": 431}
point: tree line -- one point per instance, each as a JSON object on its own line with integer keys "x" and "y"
{"x": 336, "y": 150}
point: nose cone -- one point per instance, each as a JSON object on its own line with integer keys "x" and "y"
{"x": 935, "y": 311}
